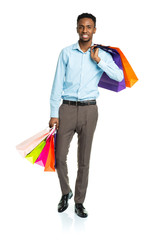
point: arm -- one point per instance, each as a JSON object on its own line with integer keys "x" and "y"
{"x": 57, "y": 89}
{"x": 107, "y": 64}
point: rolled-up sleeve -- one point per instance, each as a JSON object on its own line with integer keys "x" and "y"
{"x": 108, "y": 65}
{"x": 57, "y": 87}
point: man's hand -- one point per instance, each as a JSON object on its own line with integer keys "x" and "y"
{"x": 54, "y": 121}
{"x": 94, "y": 54}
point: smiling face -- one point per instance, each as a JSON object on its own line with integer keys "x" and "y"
{"x": 86, "y": 29}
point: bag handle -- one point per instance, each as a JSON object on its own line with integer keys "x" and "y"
{"x": 52, "y": 131}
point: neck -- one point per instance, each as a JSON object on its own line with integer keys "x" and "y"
{"x": 85, "y": 45}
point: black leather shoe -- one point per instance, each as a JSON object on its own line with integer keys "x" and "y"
{"x": 63, "y": 204}
{"x": 80, "y": 210}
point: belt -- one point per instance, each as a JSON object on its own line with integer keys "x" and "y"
{"x": 80, "y": 103}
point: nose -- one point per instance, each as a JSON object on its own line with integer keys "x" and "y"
{"x": 84, "y": 30}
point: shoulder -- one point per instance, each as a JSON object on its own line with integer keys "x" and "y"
{"x": 66, "y": 52}
{"x": 68, "y": 48}
{"x": 102, "y": 52}
{"x": 104, "y": 55}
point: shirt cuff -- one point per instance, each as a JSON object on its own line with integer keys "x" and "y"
{"x": 54, "y": 113}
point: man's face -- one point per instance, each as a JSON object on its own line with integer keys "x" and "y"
{"x": 86, "y": 29}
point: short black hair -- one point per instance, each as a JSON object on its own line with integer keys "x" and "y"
{"x": 87, "y": 15}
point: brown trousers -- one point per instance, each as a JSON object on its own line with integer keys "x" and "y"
{"x": 82, "y": 120}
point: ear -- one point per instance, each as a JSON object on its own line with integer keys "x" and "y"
{"x": 94, "y": 31}
{"x": 77, "y": 29}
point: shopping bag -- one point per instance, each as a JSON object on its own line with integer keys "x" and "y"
{"x": 34, "y": 154}
{"x": 44, "y": 153}
{"x": 42, "y": 158}
{"x": 107, "y": 82}
{"x": 55, "y": 138}
{"x": 50, "y": 163}
{"x": 129, "y": 74}
{"x": 29, "y": 144}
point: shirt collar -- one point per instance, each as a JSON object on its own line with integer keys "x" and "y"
{"x": 77, "y": 46}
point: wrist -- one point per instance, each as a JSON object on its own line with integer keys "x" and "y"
{"x": 97, "y": 60}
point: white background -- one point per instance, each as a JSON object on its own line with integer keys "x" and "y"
{"x": 122, "y": 195}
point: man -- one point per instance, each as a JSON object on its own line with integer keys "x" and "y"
{"x": 78, "y": 72}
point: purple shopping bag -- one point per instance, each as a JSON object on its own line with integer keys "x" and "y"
{"x": 105, "y": 81}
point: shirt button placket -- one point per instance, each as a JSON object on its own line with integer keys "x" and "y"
{"x": 81, "y": 75}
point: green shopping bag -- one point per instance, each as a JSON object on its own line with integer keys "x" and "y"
{"x": 34, "y": 154}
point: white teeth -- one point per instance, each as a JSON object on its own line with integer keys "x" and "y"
{"x": 85, "y": 36}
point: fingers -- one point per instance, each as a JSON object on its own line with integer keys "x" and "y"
{"x": 53, "y": 122}
{"x": 95, "y": 51}
{"x": 94, "y": 46}
{"x": 50, "y": 124}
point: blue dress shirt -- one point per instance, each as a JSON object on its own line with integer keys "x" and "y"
{"x": 77, "y": 76}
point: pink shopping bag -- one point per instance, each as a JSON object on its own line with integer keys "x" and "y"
{"x": 29, "y": 144}
{"x": 42, "y": 159}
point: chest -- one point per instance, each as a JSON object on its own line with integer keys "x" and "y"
{"x": 80, "y": 61}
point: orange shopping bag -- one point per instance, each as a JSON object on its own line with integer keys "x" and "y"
{"x": 129, "y": 74}
{"x": 50, "y": 163}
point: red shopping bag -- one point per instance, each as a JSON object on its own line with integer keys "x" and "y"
{"x": 50, "y": 163}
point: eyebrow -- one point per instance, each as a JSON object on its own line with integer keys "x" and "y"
{"x": 86, "y": 25}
